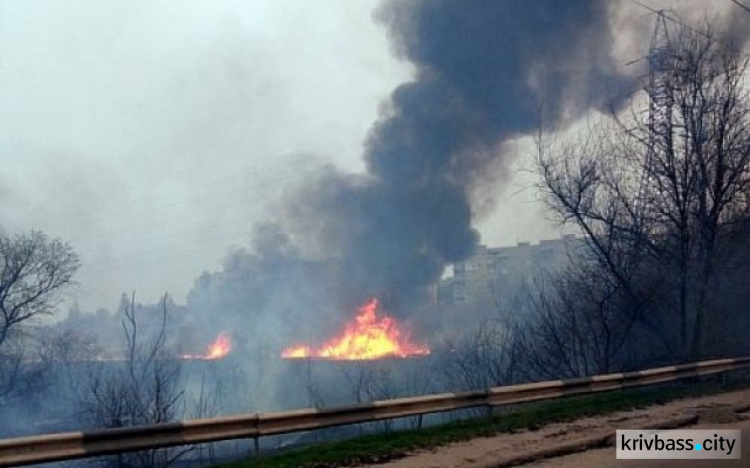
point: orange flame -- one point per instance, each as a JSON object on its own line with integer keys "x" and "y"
{"x": 366, "y": 337}
{"x": 218, "y": 349}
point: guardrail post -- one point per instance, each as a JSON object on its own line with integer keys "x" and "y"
{"x": 256, "y": 439}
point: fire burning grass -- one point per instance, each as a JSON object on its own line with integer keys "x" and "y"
{"x": 368, "y": 336}
{"x": 218, "y": 349}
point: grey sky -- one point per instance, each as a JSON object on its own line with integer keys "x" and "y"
{"x": 153, "y": 134}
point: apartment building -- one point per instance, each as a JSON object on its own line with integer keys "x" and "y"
{"x": 493, "y": 273}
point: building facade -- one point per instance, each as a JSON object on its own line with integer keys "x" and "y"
{"x": 498, "y": 273}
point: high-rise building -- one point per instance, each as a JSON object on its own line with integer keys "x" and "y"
{"x": 494, "y": 273}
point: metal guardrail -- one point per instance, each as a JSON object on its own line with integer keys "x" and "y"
{"x": 71, "y": 445}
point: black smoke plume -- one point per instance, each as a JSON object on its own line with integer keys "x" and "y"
{"x": 484, "y": 69}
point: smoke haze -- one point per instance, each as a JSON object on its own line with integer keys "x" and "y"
{"x": 179, "y": 157}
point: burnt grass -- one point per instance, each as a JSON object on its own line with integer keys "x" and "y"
{"x": 387, "y": 446}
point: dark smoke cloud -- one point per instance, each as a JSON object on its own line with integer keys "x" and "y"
{"x": 484, "y": 69}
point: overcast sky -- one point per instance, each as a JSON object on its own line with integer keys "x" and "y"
{"x": 152, "y": 135}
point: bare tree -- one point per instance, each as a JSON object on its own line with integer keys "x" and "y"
{"x": 660, "y": 195}
{"x": 579, "y": 323}
{"x": 34, "y": 270}
{"x": 143, "y": 388}
{"x": 396, "y": 378}
{"x": 357, "y": 375}
{"x": 205, "y": 405}
{"x": 65, "y": 357}
{"x": 480, "y": 358}
{"x": 354, "y": 378}
{"x": 22, "y": 374}
{"x": 313, "y": 391}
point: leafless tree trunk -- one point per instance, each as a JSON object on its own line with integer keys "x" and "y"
{"x": 581, "y": 324}
{"x": 205, "y": 405}
{"x": 358, "y": 377}
{"x": 34, "y": 270}
{"x": 312, "y": 388}
{"x": 479, "y": 359}
{"x": 661, "y": 197}
{"x": 143, "y": 388}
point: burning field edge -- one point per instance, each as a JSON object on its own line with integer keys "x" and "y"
{"x": 383, "y": 447}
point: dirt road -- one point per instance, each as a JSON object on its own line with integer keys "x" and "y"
{"x": 605, "y": 458}
{"x": 486, "y": 452}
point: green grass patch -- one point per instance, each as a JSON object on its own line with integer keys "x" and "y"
{"x": 378, "y": 448}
